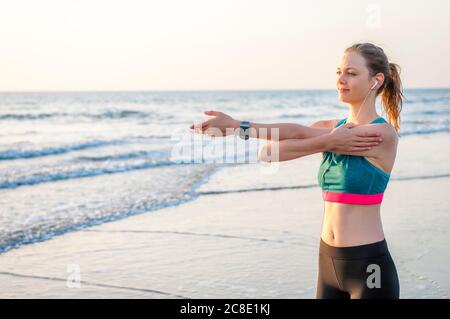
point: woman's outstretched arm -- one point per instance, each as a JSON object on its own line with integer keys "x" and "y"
{"x": 290, "y": 149}
{"x": 286, "y": 131}
{"x": 223, "y": 124}
{"x": 340, "y": 140}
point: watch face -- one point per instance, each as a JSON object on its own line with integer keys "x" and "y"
{"x": 244, "y": 130}
{"x": 243, "y": 133}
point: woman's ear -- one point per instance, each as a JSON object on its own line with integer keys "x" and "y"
{"x": 379, "y": 77}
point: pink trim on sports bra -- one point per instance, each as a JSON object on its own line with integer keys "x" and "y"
{"x": 348, "y": 198}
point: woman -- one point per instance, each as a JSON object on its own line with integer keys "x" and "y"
{"x": 354, "y": 260}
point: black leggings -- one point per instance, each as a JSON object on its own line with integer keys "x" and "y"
{"x": 357, "y": 272}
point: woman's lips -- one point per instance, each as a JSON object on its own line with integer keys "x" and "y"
{"x": 342, "y": 90}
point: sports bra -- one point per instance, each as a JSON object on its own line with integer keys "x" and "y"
{"x": 351, "y": 179}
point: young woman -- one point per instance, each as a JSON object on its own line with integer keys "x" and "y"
{"x": 358, "y": 155}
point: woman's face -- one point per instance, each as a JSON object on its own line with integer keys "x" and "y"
{"x": 353, "y": 80}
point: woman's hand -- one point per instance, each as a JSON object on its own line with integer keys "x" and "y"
{"x": 342, "y": 139}
{"x": 216, "y": 126}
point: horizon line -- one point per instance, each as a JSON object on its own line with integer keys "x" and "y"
{"x": 196, "y": 90}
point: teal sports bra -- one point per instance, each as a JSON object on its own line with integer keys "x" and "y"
{"x": 351, "y": 179}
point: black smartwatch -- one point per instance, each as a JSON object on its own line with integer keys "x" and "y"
{"x": 244, "y": 130}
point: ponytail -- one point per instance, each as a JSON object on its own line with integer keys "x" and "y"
{"x": 392, "y": 96}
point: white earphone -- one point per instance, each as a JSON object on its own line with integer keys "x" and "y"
{"x": 374, "y": 85}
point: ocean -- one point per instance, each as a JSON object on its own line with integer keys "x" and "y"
{"x": 70, "y": 160}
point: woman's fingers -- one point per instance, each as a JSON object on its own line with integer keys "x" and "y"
{"x": 369, "y": 139}
{"x": 365, "y": 144}
{"x": 359, "y": 149}
{"x": 368, "y": 134}
{"x": 213, "y": 113}
{"x": 204, "y": 127}
{"x": 204, "y": 124}
{"x": 200, "y": 127}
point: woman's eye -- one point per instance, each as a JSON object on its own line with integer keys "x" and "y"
{"x": 350, "y": 73}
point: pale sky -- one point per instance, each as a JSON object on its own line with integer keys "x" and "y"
{"x": 64, "y": 45}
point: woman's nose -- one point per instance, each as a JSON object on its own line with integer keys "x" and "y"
{"x": 341, "y": 80}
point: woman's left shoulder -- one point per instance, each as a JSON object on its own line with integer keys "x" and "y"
{"x": 388, "y": 133}
{"x": 389, "y": 129}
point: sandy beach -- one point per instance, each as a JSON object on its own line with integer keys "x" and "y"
{"x": 245, "y": 235}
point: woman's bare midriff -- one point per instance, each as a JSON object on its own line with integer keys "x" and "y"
{"x": 351, "y": 225}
